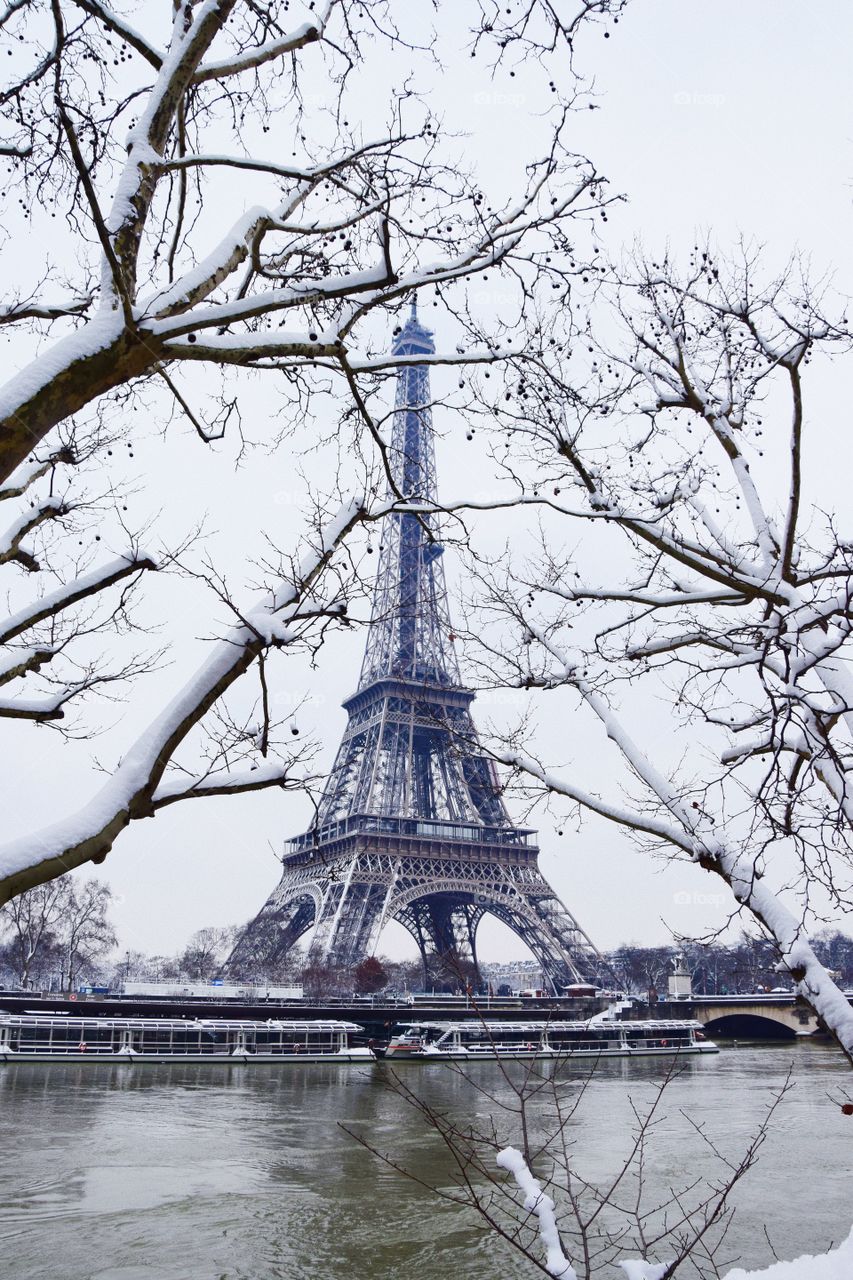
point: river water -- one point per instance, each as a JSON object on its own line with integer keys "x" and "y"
{"x": 243, "y": 1173}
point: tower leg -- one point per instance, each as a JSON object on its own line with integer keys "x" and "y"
{"x": 268, "y": 938}
{"x": 349, "y": 922}
{"x": 444, "y": 928}
{"x": 554, "y": 939}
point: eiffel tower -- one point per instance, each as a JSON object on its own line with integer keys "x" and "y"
{"x": 411, "y": 825}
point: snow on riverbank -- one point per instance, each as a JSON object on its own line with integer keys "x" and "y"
{"x": 835, "y": 1265}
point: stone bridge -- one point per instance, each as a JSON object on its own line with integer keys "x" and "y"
{"x": 755, "y": 1016}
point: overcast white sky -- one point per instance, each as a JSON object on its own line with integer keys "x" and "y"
{"x": 714, "y": 115}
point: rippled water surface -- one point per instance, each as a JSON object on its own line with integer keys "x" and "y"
{"x": 202, "y": 1173}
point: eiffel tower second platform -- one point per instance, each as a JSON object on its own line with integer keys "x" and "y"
{"x": 411, "y": 825}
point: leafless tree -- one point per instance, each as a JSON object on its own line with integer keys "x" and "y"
{"x": 124, "y": 133}
{"x": 86, "y": 933}
{"x": 206, "y": 951}
{"x": 370, "y": 976}
{"x": 322, "y": 980}
{"x": 641, "y": 969}
{"x": 673, "y": 429}
{"x": 539, "y": 1196}
{"x": 32, "y": 923}
{"x": 59, "y": 925}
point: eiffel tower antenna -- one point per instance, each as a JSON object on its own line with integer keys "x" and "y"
{"x": 411, "y": 825}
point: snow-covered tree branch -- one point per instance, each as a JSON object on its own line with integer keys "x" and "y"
{"x": 62, "y": 598}
{"x": 684, "y": 427}
{"x": 148, "y": 776}
{"x": 519, "y": 1166}
{"x": 286, "y": 274}
{"x": 215, "y": 204}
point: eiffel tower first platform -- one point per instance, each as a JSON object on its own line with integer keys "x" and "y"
{"x": 411, "y": 825}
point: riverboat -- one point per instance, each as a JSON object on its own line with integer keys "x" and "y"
{"x": 467, "y": 1041}
{"x": 50, "y": 1038}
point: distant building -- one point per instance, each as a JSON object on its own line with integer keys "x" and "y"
{"x": 518, "y": 975}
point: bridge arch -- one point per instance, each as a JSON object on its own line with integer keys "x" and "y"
{"x": 762, "y": 1016}
{"x": 750, "y": 1026}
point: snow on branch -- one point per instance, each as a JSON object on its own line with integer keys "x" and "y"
{"x": 132, "y": 790}
{"x": 696, "y": 832}
{"x": 730, "y": 616}
{"x": 121, "y": 27}
{"x": 331, "y": 239}
{"x": 70, "y": 593}
{"x": 540, "y": 1204}
{"x": 15, "y": 663}
{"x": 26, "y": 476}
{"x": 37, "y": 709}
{"x": 271, "y": 51}
{"x": 16, "y": 311}
{"x": 11, "y": 547}
{"x": 224, "y": 783}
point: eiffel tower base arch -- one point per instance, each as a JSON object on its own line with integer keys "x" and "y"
{"x": 439, "y": 900}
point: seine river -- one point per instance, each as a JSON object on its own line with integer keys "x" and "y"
{"x": 236, "y": 1173}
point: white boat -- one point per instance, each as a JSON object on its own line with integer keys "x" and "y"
{"x": 32, "y": 1037}
{"x": 467, "y": 1041}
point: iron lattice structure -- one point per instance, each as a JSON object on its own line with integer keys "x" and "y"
{"x": 411, "y": 825}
